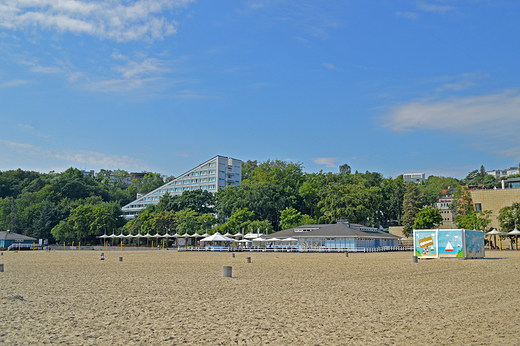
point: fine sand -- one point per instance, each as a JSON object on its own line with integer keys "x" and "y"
{"x": 171, "y": 298}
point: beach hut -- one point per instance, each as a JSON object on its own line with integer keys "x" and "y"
{"x": 454, "y": 243}
{"x": 219, "y": 242}
{"x": 15, "y": 240}
{"x": 341, "y": 236}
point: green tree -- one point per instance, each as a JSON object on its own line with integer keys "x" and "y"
{"x": 206, "y": 221}
{"x": 411, "y": 205}
{"x": 240, "y": 219}
{"x": 186, "y": 221}
{"x": 509, "y": 217}
{"x": 427, "y": 218}
{"x": 474, "y": 220}
{"x": 344, "y": 169}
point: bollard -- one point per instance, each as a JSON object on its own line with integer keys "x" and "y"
{"x": 233, "y": 255}
{"x": 120, "y": 259}
{"x": 226, "y": 271}
{"x": 1, "y": 267}
{"x": 414, "y": 259}
{"x": 248, "y": 259}
{"x": 346, "y": 254}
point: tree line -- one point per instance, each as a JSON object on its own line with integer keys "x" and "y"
{"x": 273, "y": 195}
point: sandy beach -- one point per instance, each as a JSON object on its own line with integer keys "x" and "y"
{"x": 171, "y": 298}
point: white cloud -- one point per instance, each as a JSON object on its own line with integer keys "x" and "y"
{"x": 427, "y": 7}
{"x": 330, "y": 66}
{"x": 119, "y": 20}
{"x": 327, "y": 161}
{"x": 491, "y": 122}
{"x": 409, "y": 15}
{"x": 26, "y": 151}
{"x": 135, "y": 69}
{"x": 13, "y": 83}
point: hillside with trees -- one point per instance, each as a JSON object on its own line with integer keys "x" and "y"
{"x": 274, "y": 195}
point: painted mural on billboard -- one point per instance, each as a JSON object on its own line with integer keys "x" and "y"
{"x": 451, "y": 243}
{"x": 425, "y": 243}
{"x": 474, "y": 244}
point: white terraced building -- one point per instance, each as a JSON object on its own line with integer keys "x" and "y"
{"x": 212, "y": 175}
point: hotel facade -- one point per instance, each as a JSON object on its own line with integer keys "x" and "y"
{"x": 212, "y": 175}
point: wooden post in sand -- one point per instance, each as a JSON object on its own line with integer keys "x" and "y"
{"x": 248, "y": 259}
{"x": 1, "y": 267}
{"x": 414, "y": 259}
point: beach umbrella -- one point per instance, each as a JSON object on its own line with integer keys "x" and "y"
{"x": 259, "y": 239}
{"x": 206, "y": 234}
{"x": 238, "y": 235}
{"x": 273, "y": 239}
{"x": 516, "y": 233}
{"x": 251, "y": 235}
{"x": 147, "y": 236}
{"x": 138, "y": 236}
{"x": 494, "y": 233}
{"x": 228, "y": 235}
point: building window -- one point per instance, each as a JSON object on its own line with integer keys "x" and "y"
{"x": 478, "y": 206}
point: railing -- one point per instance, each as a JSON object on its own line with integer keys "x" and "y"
{"x": 295, "y": 249}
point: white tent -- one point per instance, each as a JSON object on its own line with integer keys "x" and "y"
{"x": 217, "y": 237}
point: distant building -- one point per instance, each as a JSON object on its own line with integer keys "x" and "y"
{"x": 126, "y": 181}
{"x": 85, "y": 173}
{"x": 7, "y": 238}
{"x": 341, "y": 236}
{"x": 496, "y": 199}
{"x": 415, "y": 177}
{"x": 212, "y": 175}
{"x": 498, "y": 173}
{"x": 447, "y": 214}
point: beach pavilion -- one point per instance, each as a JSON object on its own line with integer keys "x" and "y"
{"x": 18, "y": 241}
{"x": 341, "y": 236}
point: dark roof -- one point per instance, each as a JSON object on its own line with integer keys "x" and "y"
{"x": 340, "y": 229}
{"x": 14, "y": 236}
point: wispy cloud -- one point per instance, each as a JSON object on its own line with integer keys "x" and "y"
{"x": 119, "y": 20}
{"x": 428, "y": 7}
{"x": 491, "y": 122}
{"x": 145, "y": 67}
{"x": 327, "y": 161}
{"x": 73, "y": 157}
{"x": 330, "y": 66}
{"x": 13, "y": 83}
{"x": 409, "y": 15}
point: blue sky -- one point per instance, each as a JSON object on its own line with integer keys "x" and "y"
{"x": 163, "y": 85}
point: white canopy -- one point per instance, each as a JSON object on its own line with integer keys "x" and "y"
{"x": 251, "y": 235}
{"x": 228, "y": 234}
{"x": 147, "y": 235}
{"x": 494, "y": 232}
{"x": 244, "y": 241}
{"x": 217, "y": 237}
{"x": 113, "y": 236}
{"x": 514, "y": 232}
{"x": 104, "y": 236}
{"x": 289, "y": 239}
{"x": 273, "y": 239}
{"x": 260, "y": 239}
